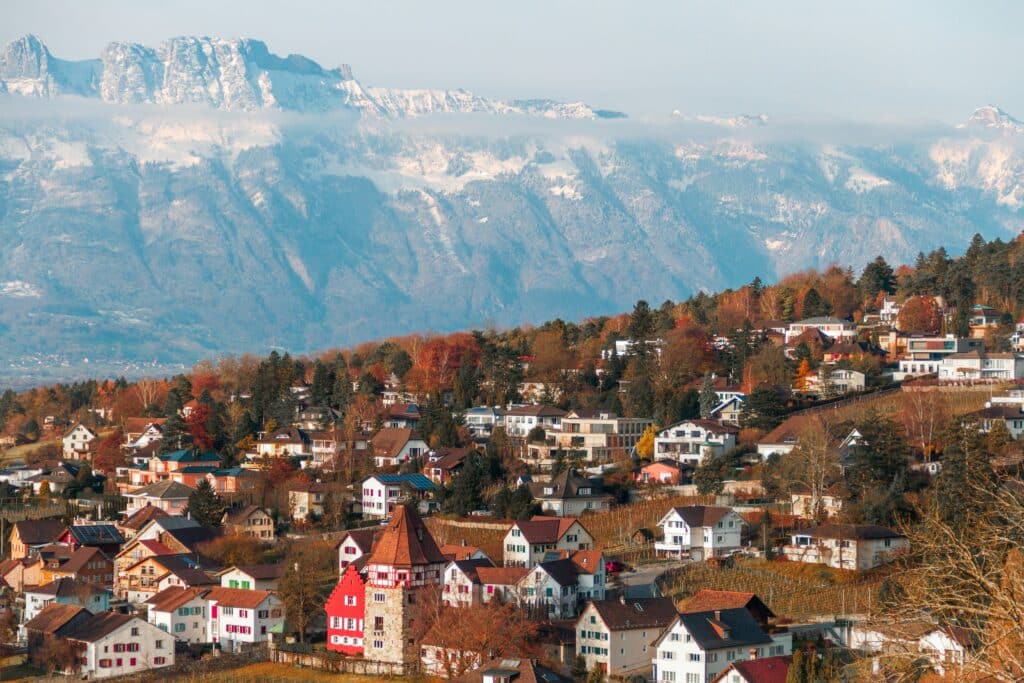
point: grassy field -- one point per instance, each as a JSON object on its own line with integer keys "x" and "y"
{"x": 267, "y": 672}
{"x": 19, "y": 452}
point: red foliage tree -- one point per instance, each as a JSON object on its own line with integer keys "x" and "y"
{"x": 196, "y": 425}
{"x": 108, "y": 453}
{"x": 920, "y": 315}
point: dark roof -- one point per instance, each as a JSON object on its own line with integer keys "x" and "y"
{"x": 191, "y": 537}
{"x": 189, "y": 455}
{"x": 470, "y": 567}
{"x": 96, "y": 534}
{"x": 39, "y": 531}
{"x": 789, "y": 431}
{"x": 80, "y": 558}
{"x": 414, "y": 480}
{"x": 363, "y": 538}
{"x": 567, "y": 484}
{"x": 724, "y": 628}
{"x": 702, "y": 515}
{"x": 54, "y": 617}
{"x": 63, "y": 587}
{"x": 100, "y": 625}
{"x": 536, "y": 411}
{"x": 241, "y": 513}
{"x": 501, "y": 576}
{"x": 260, "y": 572}
{"x": 186, "y": 568}
{"x": 620, "y": 615}
{"x": 706, "y": 425}
{"x": 406, "y": 542}
{"x": 863, "y": 532}
{"x": 564, "y": 572}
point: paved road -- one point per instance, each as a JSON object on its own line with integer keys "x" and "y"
{"x": 640, "y": 583}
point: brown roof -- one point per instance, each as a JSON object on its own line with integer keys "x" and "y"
{"x": 709, "y": 600}
{"x": 545, "y": 529}
{"x": 390, "y": 441}
{"x": 501, "y": 576}
{"x": 54, "y": 617}
{"x": 63, "y": 587}
{"x": 364, "y": 538}
{"x": 789, "y": 431}
{"x": 143, "y": 516}
{"x": 240, "y": 514}
{"x": 80, "y": 557}
{"x": 406, "y": 542}
{"x": 172, "y": 598}
{"x": 259, "y": 572}
{"x": 137, "y": 425}
{"x": 707, "y": 425}
{"x": 527, "y": 671}
{"x": 536, "y": 411}
{"x": 587, "y": 561}
{"x": 702, "y": 515}
{"x": 458, "y": 552}
{"x": 101, "y": 625}
{"x": 568, "y": 484}
{"x": 623, "y": 614}
{"x": 237, "y": 597}
{"x": 39, "y": 531}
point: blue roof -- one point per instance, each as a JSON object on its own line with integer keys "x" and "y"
{"x": 198, "y": 469}
{"x": 415, "y": 480}
{"x": 189, "y": 456}
{"x": 229, "y": 472}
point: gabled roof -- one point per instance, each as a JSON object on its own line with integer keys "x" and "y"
{"x": 190, "y": 537}
{"x": 260, "y": 572}
{"x": 156, "y": 547}
{"x": 823, "y": 320}
{"x": 198, "y": 469}
{"x": 788, "y": 432}
{"x": 564, "y": 572}
{"x": 724, "y": 628}
{"x": 77, "y": 425}
{"x": 170, "y": 599}
{"x": 701, "y": 515}
{"x": 458, "y": 552}
{"x": 163, "y": 490}
{"x": 413, "y": 480}
{"x": 96, "y": 534}
{"x": 237, "y": 597}
{"x": 39, "y": 531}
{"x": 588, "y": 561}
{"x": 406, "y": 542}
{"x": 501, "y": 576}
{"x": 80, "y": 558}
{"x": 536, "y": 411}
{"x": 363, "y": 538}
{"x": 707, "y": 425}
{"x": 138, "y": 425}
{"x": 285, "y": 435}
{"x": 545, "y": 529}
{"x": 241, "y": 513}
{"x": 567, "y": 484}
{"x": 707, "y": 600}
{"x": 470, "y": 567}
{"x": 54, "y": 617}
{"x": 185, "y": 568}
{"x": 101, "y": 625}
{"x": 390, "y": 441}
{"x": 625, "y": 614}
{"x": 760, "y": 670}
{"x": 63, "y": 587}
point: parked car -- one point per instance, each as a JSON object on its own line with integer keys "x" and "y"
{"x": 613, "y": 566}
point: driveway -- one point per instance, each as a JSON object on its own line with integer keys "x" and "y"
{"x": 641, "y": 582}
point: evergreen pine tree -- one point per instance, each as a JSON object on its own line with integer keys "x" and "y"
{"x": 708, "y": 397}
{"x": 204, "y": 505}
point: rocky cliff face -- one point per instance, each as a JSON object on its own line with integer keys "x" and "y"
{"x": 157, "y": 232}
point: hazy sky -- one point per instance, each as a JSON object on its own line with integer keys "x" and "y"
{"x": 853, "y": 60}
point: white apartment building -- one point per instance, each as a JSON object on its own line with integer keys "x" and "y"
{"x": 702, "y": 531}
{"x": 693, "y": 441}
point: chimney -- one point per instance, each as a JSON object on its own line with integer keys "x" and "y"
{"x": 753, "y": 653}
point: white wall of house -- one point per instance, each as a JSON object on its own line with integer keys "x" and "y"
{"x": 857, "y": 554}
{"x": 520, "y": 553}
{"x": 701, "y": 542}
{"x": 136, "y": 646}
{"x": 538, "y": 588}
{"x": 234, "y": 627}
{"x": 618, "y": 651}
{"x": 186, "y": 623}
{"x": 691, "y": 443}
{"x": 679, "y": 658}
{"x": 459, "y": 590}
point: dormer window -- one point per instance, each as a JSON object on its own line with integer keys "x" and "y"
{"x": 548, "y": 490}
{"x": 585, "y": 492}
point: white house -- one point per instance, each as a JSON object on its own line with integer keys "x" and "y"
{"x": 393, "y": 446}
{"x": 528, "y": 541}
{"x": 239, "y": 618}
{"x": 182, "y": 612}
{"x": 170, "y": 496}
{"x": 116, "y": 644}
{"x": 551, "y": 588}
{"x": 846, "y": 546}
{"x": 729, "y": 410}
{"x": 569, "y": 494}
{"x": 980, "y": 365}
{"x": 924, "y": 355}
{"x": 64, "y": 591}
{"x": 617, "y": 634}
{"x": 836, "y": 329}
{"x": 520, "y": 420}
{"x": 356, "y": 544}
{"x": 381, "y": 492}
{"x": 482, "y": 420}
{"x": 946, "y": 648}
{"x": 692, "y": 441}
{"x": 697, "y": 646}
{"x": 462, "y": 586}
{"x": 832, "y": 381}
{"x": 260, "y": 577}
{"x": 77, "y": 441}
{"x": 700, "y": 530}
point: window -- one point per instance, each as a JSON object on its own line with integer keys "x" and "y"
{"x": 674, "y": 637}
{"x": 379, "y": 644}
{"x": 159, "y": 660}
{"x": 378, "y": 597}
{"x": 135, "y": 630}
{"x": 667, "y": 654}
{"x": 378, "y": 623}
{"x": 669, "y": 676}
{"x": 178, "y": 628}
{"x": 694, "y": 656}
{"x": 263, "y": 614}
{"x": 350, "y": 600}
{"x": 335, "y": 622}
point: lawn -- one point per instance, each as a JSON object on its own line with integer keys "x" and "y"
{"x": 267, "y": 672}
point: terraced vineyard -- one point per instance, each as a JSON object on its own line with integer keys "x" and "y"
{"x": 787, "y": 596}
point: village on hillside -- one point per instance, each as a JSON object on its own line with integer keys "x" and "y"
{"x": 817, "y": 480}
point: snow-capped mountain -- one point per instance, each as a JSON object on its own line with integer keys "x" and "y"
{"x": 741, "y": 121}
{"x": 994, "y": 118}
{"x": 168, "y": 233}
{"x": 236, "y": 75}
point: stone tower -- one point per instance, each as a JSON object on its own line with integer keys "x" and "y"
{"x": 404, "y": 562}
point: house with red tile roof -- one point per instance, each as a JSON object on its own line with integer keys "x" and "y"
{"x": 115, "y": 644}
{"x": 393, "y": 446}
{"x": 760, "y": 670}
{"x": 528, "y": 541}
{"x": 707, "y": 600}
{"x": 239, "y": 618}
{"x": 180, "y": 611}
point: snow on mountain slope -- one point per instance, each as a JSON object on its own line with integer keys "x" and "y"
{"x": 238, "y": 75}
